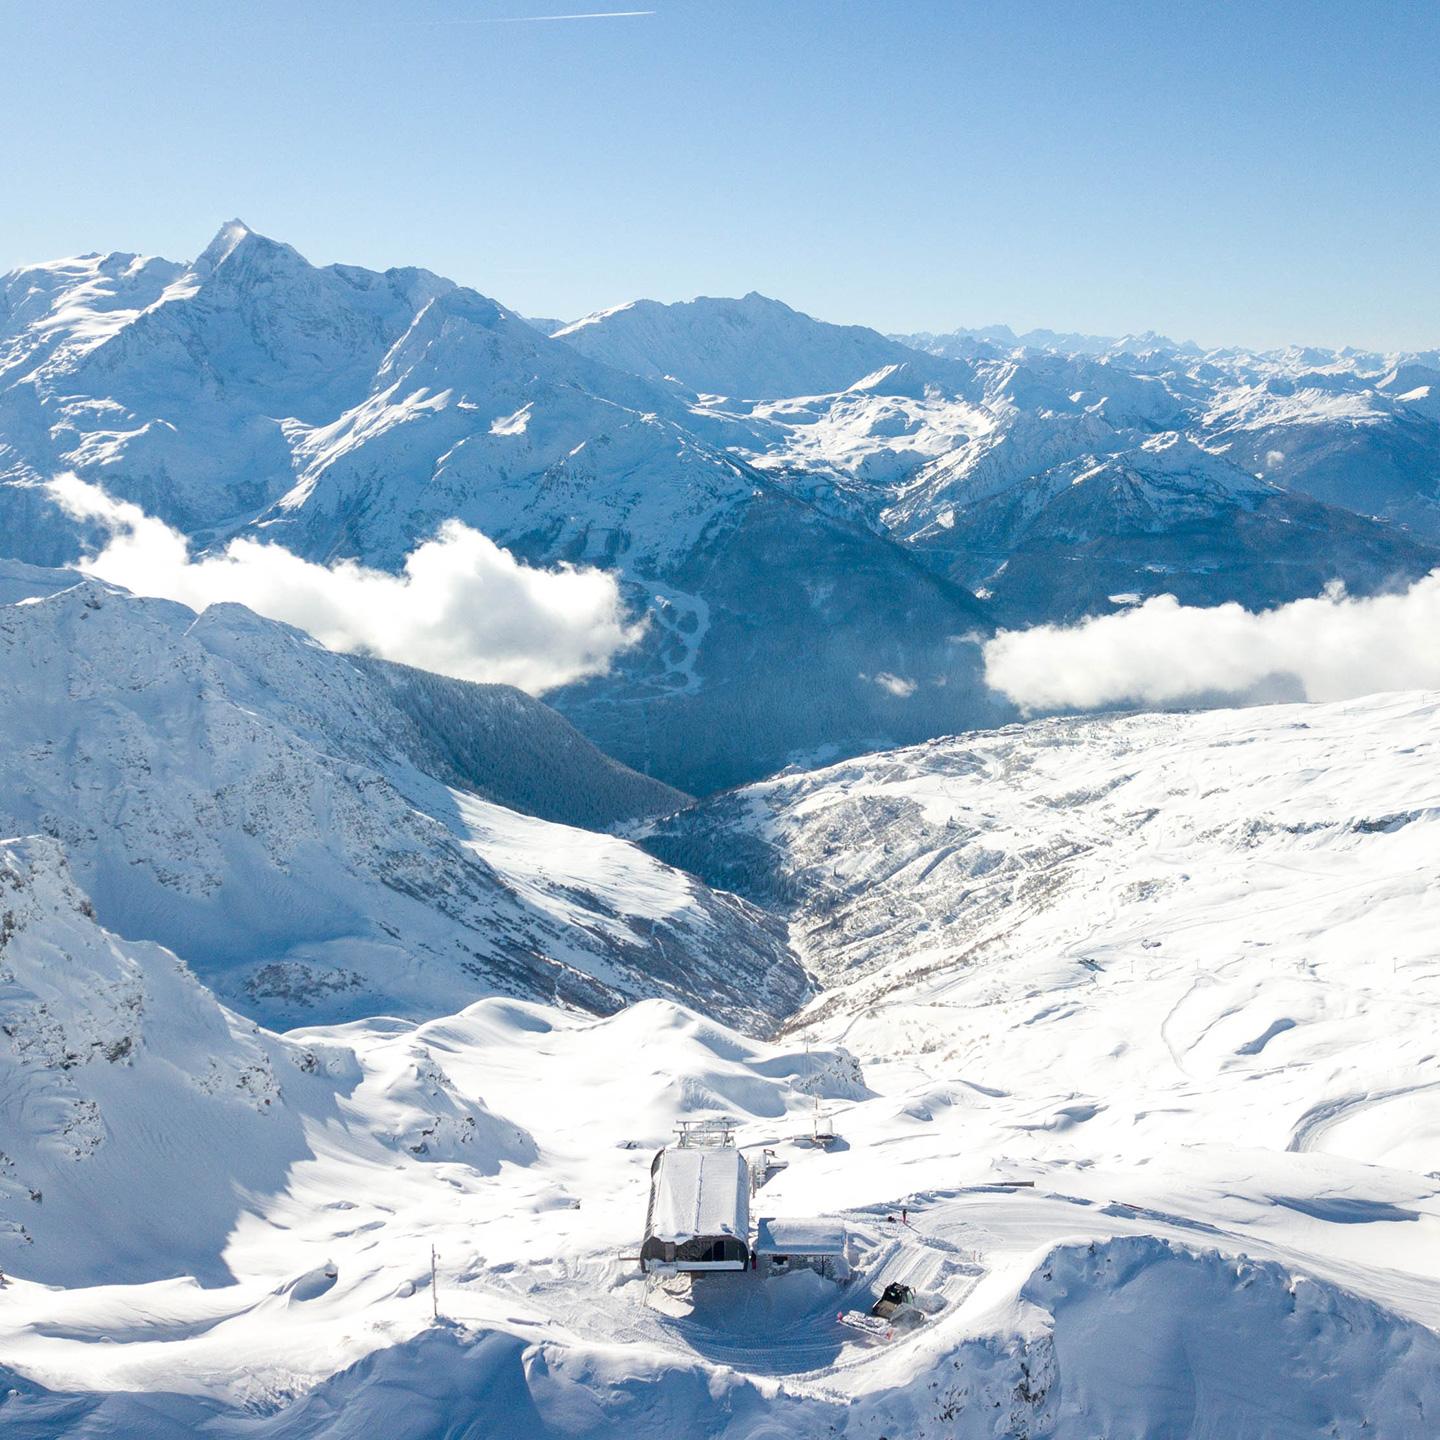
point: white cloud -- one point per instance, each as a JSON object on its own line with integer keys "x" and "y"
{"x": 897, "y": 685}
{"x": 462, "y": 606}
{"x": 1331, "y": 647}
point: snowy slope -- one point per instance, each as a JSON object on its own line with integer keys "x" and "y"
{"x": 876, "y": 431}
{"x": 1204, "y": 921}
{"x": 123, "y": 1084}
{"x": 1064, "y": 517}
{"x": 1367, "y": 441}
{"x": 224, "y": 786}
{"x": 753, "y": 348}
{"x": 1073, "y": 787}
{"x": 1176, "y": 974}
{"x": 120, "y": 1072}
{"x": 472, "y": 414}
{"x": 516, "y": 751}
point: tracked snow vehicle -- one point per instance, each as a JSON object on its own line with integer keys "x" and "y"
{"x": 895, "y": 1310}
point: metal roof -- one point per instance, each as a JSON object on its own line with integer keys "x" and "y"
{"x": 700, "y": 1190}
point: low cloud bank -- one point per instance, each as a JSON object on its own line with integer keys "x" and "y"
{"x": 461, "y": 607}
{"x": 1330, "y": 648}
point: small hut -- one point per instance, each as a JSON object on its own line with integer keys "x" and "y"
{"x": 699, "y": 1216}
{"x": 782, "y": 1245}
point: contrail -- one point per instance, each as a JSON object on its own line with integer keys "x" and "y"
{"x": 509, "y": 19}
{"x": 530, "y": 19}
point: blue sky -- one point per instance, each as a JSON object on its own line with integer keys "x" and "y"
{"x": 1249, "y": 173}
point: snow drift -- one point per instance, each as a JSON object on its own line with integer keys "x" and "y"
{"x": 1130, "y": 1337}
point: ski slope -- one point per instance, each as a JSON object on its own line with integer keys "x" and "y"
{"x": 1133, "y": 1016}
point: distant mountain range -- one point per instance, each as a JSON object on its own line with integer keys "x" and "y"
{"x": 1002, "y": 340}
{"x": 820, "y": 522}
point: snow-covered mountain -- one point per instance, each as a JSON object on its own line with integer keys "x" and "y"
{"x": 974, "y": 851}
{"x": 754, "y": 348}
{"x": 1359, "y": 434}
{"x": 796, "y": 509}
{"x": 1063, "y": 516}
{"x": 183, "y": 389}
{"x": 1130, "y": 1015}
{"x": 968, "y": 463}
{"x": 507, "y": 747}
{"x": 305, "y": 829}
{"x": 122, "y": 1076}
{"x": 1349, "y": 428}
{"x": 1002, "y": 340}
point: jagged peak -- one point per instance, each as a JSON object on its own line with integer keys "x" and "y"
{"x": 756, "y": 301}
{"x": 235, "y": 241}
{"x": 231, "y": 234}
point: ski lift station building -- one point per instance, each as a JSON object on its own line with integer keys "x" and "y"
{"x": 699, "y": 1216}
{"x": 793, "y": 1244}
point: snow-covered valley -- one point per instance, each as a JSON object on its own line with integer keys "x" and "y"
{"x": 1134, "y": 1018}
{"x": 345, "y": 1004}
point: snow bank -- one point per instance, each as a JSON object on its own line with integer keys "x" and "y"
{"x": 1149, "y": 1339}
{"x": 1131, "y": 1338}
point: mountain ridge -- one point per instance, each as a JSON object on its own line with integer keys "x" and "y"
{"x": 226, "y": 787}
{"x": 772, "y": 548}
